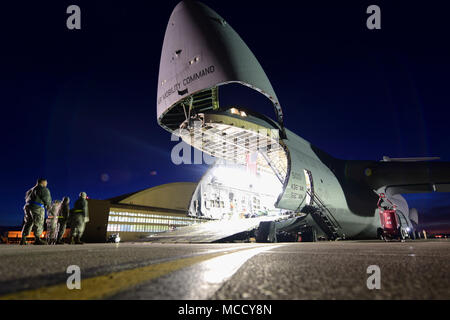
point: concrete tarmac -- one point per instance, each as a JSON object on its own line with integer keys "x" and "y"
{"x": 322, "y": 270}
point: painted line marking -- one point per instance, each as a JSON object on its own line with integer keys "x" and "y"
{"x": 197, "y": 282}
{"x": 101, "y": 287}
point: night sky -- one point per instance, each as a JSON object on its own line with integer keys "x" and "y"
{"x": 79, "y": 106}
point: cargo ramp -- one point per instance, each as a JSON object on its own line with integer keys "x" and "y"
{"x": 211, "y": 231}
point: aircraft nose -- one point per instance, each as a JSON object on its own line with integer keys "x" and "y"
{"x": 201, "y": 51}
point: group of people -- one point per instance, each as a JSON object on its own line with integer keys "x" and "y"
{"x": 60, "y": 216}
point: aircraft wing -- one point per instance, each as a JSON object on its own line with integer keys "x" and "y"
{"x": 401, "y": 176}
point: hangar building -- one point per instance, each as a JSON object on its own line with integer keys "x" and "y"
{"x": 223, "y": 193}
{"x": 139, "y": 214}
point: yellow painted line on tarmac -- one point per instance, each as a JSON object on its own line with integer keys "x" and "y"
{"x": 107, "y": 285}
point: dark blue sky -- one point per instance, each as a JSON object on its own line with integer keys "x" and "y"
{"x": 79, "y": 106}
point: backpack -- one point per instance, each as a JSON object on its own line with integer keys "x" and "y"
{"x": 29, "y": 195}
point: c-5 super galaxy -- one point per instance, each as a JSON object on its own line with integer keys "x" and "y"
{"x": 332, "y": 197}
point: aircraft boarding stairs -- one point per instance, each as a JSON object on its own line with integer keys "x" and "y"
{"x": 323, "y": 217}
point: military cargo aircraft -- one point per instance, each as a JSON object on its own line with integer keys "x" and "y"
{"x": 325, "y": 196}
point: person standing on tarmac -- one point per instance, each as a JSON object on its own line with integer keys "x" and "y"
{"x": 78, "y": 217}
{"x": 63, "y": 218}
{"x": 52, "y": 222}
{"x": 36, "y": 200}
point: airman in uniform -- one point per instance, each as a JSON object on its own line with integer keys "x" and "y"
{"x": 79, "y": 216}
{"x": 36, "y": 200}
{"x": 63, "y": 218}
{"x": 52, "y": 222}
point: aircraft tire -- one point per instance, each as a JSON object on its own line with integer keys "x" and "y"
{"x": 266, "y": 232}
{"x": 380, "y": 234}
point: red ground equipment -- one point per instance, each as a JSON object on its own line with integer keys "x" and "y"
{"x": 389, "y": 221}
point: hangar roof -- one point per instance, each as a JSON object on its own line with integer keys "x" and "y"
{"x": 176, "y": 196}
